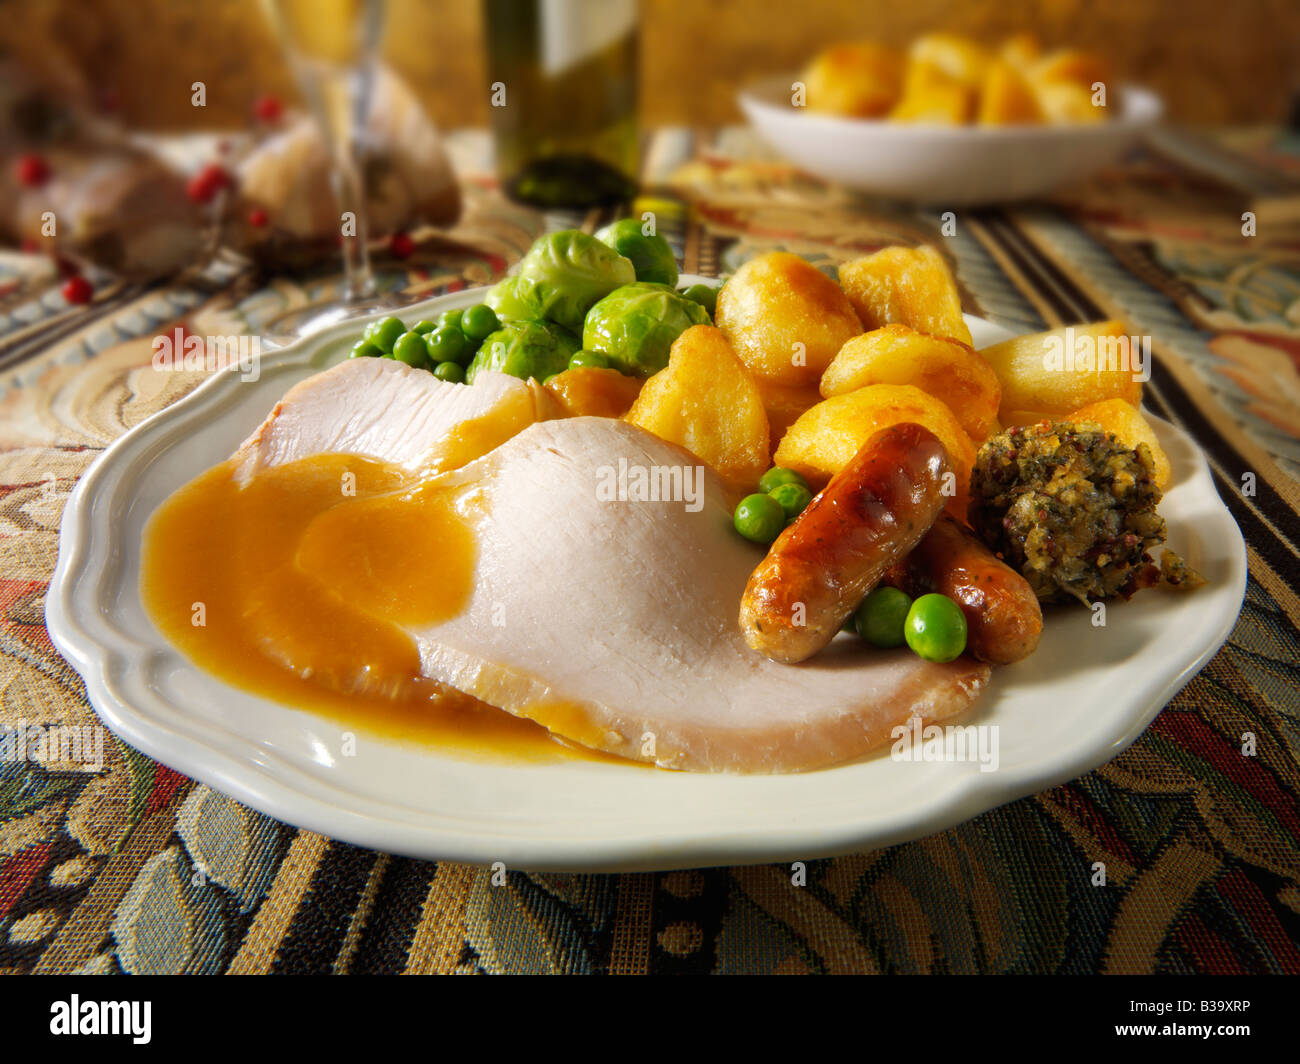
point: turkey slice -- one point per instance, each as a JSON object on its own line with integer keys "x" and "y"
{"x": 603, "y": 601}
{"x": 382, "y": 408}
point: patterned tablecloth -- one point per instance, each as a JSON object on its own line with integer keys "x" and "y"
{"x": 129, "y": 866}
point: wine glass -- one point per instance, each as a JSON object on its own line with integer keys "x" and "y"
{"x": 331, "y": 47}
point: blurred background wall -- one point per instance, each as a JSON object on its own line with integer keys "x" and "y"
{"x": 1215, "y": 61}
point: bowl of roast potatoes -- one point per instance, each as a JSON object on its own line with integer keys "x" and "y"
{"x": 951, "y": 122}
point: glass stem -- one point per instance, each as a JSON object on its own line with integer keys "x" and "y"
{"x": 350, "y": 193}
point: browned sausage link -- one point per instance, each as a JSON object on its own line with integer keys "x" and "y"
{"x": 869, "y": 516}
{"x": 1003, "y": 618}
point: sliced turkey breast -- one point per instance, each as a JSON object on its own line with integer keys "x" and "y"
{"x": 606, "y": 579}
{"x": 382, "y": 408}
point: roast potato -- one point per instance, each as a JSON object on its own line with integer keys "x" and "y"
{"x": 590, "y": 391}
{"x": 935, "y": 98}
{"x": 1125, "y": 422}
{"x": 862, "y": 80}
{"x": 948, "y": 79}
{"x": 785, "y": 318}
{"x": 1007, "y": 99}
{"x": 1038, "y": 373}
{"x": 1018, "y": 419}
{"x": 956, "y": 57}
{"x": 1021, "y": 50}
{"x": 1065, "y": 103}
{"x": 823, "y": 440}
{"x": 907, "y": 286}
{"x": 947, "y": 369}
{"x": 1073, "y": 66}
{"x": 784, "y": 404}
{"x": 706, "y": 401}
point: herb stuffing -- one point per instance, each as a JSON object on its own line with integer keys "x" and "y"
{"x": 1074, "y": 510}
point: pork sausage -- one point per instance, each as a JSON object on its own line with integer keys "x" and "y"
{"x": 871, "y": 514}
{"x": 1003, "y": 618}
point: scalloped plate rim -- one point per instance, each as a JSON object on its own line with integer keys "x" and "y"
{"x": 257, "y": 775}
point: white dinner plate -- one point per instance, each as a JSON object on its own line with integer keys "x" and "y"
{"x": 1082, "y": 698}
{"x": 948, "y": 166}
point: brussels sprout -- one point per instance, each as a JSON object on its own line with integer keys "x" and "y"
{"x": 516, "y": 299}
{"x": 525, "y": 349}
{"x": 705, "y": 295}
{"x": 567, "y": 272}
{"x": 636, "y": 325}
{"x": 650, "y": 256}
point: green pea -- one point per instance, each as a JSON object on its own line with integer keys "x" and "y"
{"x": 935, "y": 628}
{"x": 589, "y": 360}
{"x": 450, "y": 319}
{"x": 705, "y": 295}
{"x": 450, "y": 371}
{"x": 410, "y": 349}
{"x": 759, "y": 518}
{"x": 445, "y": 344}
{"x": 423, "y": 327}
{"x": 777, "y": 476}
{"x": 384, "y": 333}
{"x": 365, "y": 349}
{"x": 792, "y": 497}
{"x": 479, "y": 322}
{"x": 881, "y": 618}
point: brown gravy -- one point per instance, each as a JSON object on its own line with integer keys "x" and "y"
{"x": 290, "y": 587}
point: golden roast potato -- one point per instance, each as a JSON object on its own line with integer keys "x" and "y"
{"x": 1021, "y": 50}
{"x": 595, "y": 392}
{"x": 706, "y": 401}
{"x": 1064, "y": 103}
{"x": 1072, "y": 65}
{"x": 948, "y": 79}
{"x": 956, "y": 57}
{"x": 1007, "y": 98}
{"x": 785, "y": 318}
{"x": 1125, "y": 422}
{"x": 1018, "y": 419}
{"x": 935, "y": 98}
{"x": 907, "y": 286}
{"x": 861, "y": 80}
{"x": 784, "y": 404}
{"x": 826, "y": 437}
{"x": 1056, "y": 372}
{"x": 947, "y": 369}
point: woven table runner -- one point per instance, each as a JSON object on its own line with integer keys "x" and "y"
{"x": 130, "y": 867}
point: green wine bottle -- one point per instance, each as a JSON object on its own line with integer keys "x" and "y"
{"x": 563, "y": 76}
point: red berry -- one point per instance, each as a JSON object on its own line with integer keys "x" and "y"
{"x": 204, "y": 185}
{"x": 257, "y": 218}
{"x": 77, "y": 290}
{"x": 401, "y": 245}
{"x": 268, "y": 108}
{"x": 33, "y": 170}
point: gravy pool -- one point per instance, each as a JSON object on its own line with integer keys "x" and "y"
{"x": 301, "y": 588}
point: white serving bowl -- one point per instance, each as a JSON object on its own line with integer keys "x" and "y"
{"x": 957, "y": 166}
